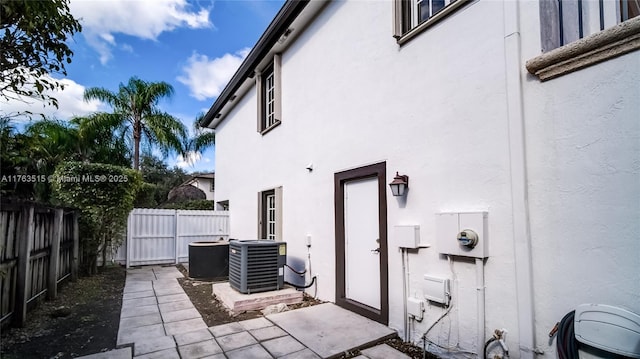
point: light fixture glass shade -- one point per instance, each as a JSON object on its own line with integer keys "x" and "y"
{"x": 399, "y": 185}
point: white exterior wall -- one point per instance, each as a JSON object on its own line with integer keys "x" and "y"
{"x": 583, "y": 153}
{"x": 352, "y": 97}
{"x": 205, "y": 185}
{"x": 436, "y": 109}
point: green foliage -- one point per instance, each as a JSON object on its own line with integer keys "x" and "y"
{"x": 155, "y": 171}
{"x": 135, "y": 111}
{"x": 33, "y": 39}
{"x": 203, "y": 138}
{"x": 104, "y": 194}
{"x": 198, "y": 204}
{"x": 145, "y": 198}
{"x": 46, "y": 143}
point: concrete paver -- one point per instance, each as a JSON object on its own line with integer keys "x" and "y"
{"x": 162, "y": 354}
{"x": 175, "y": 305}
{"x": 226, "y": 329}
{"x": 327, "y": 329}
{"x": 172, "y": 298}
{"x": 180, "y": 315}
{"x": 282, "y": 346}
{"x": 159, "y": 321}
{"x": 383, "y": 351}
{"x": 141, "y": 294}
{"x": 140, "y": 321}
{"x": 199, "y": 350}
{"x": 138, "y": 302}
{"x": 256, "y": 323}
{"x": 153, "y": 345}
{"x": 137, "y": 286}
{"x": 303, "y": 354}
{"x": 184, "y": 326}
{"x": 216, "y": 356}
{"x": 138, "y": 311}
{"x": 267, "y": 333}
{"x": 122, "y": 353}
{"x": 235, "y": 341}
{"x": 193, "y": 337}
{"x": 253, "y": 352}
{"x": 132, "y": 335}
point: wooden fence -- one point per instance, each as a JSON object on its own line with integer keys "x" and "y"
{"x": 38, "y": 250}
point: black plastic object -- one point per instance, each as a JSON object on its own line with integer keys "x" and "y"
{"x": 209, "y": 260}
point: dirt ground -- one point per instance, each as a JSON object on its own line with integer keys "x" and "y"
{"x": 82, "y": 320}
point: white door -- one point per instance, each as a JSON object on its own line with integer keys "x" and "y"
{"x": 362, "y": 258}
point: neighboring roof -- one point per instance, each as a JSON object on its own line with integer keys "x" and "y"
{"x": 276, "y": 36}
{"x": 192, "y": 179}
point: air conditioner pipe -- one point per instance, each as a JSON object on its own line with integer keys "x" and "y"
{"x": 313, "y": 280}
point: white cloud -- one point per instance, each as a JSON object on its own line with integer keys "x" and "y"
{"x": 191, "y": 159}
{"x": 145, "y": 19}
{"x": 70, "y": 103}
{"x": 207, "y": 78}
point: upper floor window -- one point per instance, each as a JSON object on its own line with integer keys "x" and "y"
{"x": 576, "y": 34}
{"x": 566, "y": 21}
{"x": 269, "y": 93}
{"x": 413, "y": 16}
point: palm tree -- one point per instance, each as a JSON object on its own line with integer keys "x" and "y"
{"x": 203, "y": 137}
{"x": 136, "y": 114}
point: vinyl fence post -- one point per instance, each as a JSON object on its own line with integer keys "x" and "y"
{"x": 26, "y": 234}
{"x": 176, "y": 237}
{"x": 54, "y": 255}
{"x": 76, "y": 247}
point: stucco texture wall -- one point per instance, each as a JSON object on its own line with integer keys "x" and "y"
{"x": 433, "y": 109}
{"x": 584, "y": 189}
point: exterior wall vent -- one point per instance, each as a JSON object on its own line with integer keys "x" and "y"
{"x": 256, "y": 265}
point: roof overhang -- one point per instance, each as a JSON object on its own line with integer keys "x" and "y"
{"x": 288, "y": 24}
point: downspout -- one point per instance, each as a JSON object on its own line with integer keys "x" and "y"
{"x": 518, "y": 170}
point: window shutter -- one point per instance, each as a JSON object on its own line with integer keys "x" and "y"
{"x": 278, "y": 194}
{"x": 277, "y": 78}
{"x": 260, "y": 110}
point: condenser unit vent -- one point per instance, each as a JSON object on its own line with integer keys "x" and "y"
{"x": 256, "y": 265}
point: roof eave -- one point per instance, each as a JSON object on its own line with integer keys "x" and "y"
{"x": 283, "y": 19}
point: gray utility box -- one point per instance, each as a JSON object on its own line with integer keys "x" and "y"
{"x": 256, "y": 265}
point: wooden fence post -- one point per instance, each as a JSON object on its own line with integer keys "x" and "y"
{"x": 54, "y": 255}
{"x": 76, "y": 247}
{"x": 26, "y": 234}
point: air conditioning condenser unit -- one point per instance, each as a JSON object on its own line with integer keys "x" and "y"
{"x": 256, "y": 265}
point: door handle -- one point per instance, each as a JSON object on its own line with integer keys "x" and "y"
{"x": 376, "y": 251}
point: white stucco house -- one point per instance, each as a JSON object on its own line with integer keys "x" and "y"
{"x": 205, "y": 182}
{"x": 516, "y": 121}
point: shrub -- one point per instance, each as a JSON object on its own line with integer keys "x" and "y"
{"x": 104, "y": 194}
{"x": 198, "y": 204}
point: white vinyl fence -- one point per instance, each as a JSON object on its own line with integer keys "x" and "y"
{"x": 162, "y": 236}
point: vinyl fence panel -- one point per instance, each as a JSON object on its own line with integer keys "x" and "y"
{"x": 162, "y": 236}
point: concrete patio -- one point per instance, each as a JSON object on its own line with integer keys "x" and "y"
{"x": 159, "y": 321}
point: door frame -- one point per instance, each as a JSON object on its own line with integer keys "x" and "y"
{"x": 379, "y": 171}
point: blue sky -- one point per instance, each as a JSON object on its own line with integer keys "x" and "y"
{"x": 196, "y": 46}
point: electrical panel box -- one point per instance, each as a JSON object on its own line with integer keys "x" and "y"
{"x": 406, "y": 236}
{"x": 437, "y": 289}
{"x": 415, "y": 307}
{"x": 463, "y": 234}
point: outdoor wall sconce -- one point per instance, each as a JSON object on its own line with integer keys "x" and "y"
{"x": 399, "y": 185}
